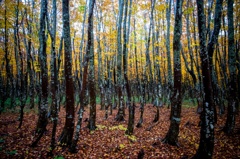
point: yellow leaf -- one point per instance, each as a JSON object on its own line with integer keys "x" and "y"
{"x": 121, "y": 146}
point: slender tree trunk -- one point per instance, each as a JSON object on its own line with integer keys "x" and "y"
{"x": 67, "y": 133}
{"x": 232, "y": 88}
{"x": 157, "y": 101}
{"x": 89, "y": 50}
{"x": 205, "y": 149}
{"x": 30, "y": 67}
{"x": 54, "y": 75}
{"x": 9, "y": 84}
{"x": 210, "y": 48}
{"x": 238, "y": 75}
{"x": 136, "y": 67}
{"x": 131, "y": 106}
{"x": 190, "y": 70}
{"x": 42, "y": 119}
{"x": 81, "y": 49}
{"x": 23, "y": 81}
{"x": 169, "y": 67}
{"x": 91, "y": 77}
{"x": 198, "y": 67}
{"x": 176, "y": 100}
{"x": 100, "y": 63}
{"x": 120, "y": 114}
{"x": 59, "y": 62}
{"x": 18, "y": 58}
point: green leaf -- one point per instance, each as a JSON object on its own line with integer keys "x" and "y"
{"x": 59, "y": 157}
{"x": 81, "y": 9}
{"x": 14, "y": 152}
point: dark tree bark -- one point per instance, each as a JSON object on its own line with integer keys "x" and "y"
{"x": 139, "y": 87}
{"x": 20, "y": 67}
{"x": 42, "y": 119}
{"x": 191, "y": 68}
{"x": 67, "y": 133}
{"x": 198, "y": 66}
{"x": 205, "y": 149}
{"x": 210, "y": 48}
{"x": 120, "y": 114}
{"x": 101, "y": 68}
{"x": 169, "y": 60}
{"x": 147, "y": 69}
{"x": 87, "y": 58}
{"x": 18, "y": 58}
{"x": 29, "y": 48}
{"x": 131, "y": 107}
{"x": 157, "y": 92}
{"x": 54, "y": 74}
{"x": 9, "y": 79}
{"x": 176, "y": 99}
{"x": 232, "y": 88}
{"x": 81, "y": 48}
{"x": 238, "y": 75}
{"x": 91, "y": 77}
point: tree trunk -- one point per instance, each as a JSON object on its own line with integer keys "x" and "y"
{"x": 131, "y": 107}
{"x": 54, "y": 75}
{"x": 67, "y": 133}
{"x": 232, "y": 89}
{"x": 22, "y": 75}
{"x": 42, "y": 119}
{"x": 9, "y": 86}
{"x": 120, "y": 114}
{"x": 205, "y": 149}
{"x": 169, "y": 67}
{"x": 210, "y": 48}
{"x": 176, "y": 100}
{"x": 85, "y": 75}
{"x": 91, "y": 77}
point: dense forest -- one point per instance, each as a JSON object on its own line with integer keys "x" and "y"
{"x": 119, "y": 79}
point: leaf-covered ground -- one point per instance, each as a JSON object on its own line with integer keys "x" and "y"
{"x": 109, "y": 140}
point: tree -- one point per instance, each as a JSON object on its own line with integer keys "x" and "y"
{"x": 169, "y": 66}
{"x": 91, "y": 77}
{"x": 9, "y": 88}
{"x": 176, "y": 99}
{"x": 42, "y": 119}
{"x": 89, "y": 52}
{"x": 148, "y": 67}
{"x": 205, "y": 149}
{"x": 131, "y": 107}
{"x": 54, "y": 73}
{"x": 30, "y": 66}
{"x": 232, "y": 89}
{"x": 19, "y": 62}
{"x": 67, "y": 133}
{"x": 210, "y": 48}
{"x": 120, "y": 115}
{"x": 190, "y": 68}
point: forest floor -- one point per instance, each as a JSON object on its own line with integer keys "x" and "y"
{"x": 109, "y": 140}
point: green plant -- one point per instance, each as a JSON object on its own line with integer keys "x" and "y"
{"x": 58, "y": 157}
{"x": 13, "y": 152}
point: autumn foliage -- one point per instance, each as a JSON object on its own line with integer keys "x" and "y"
{"x": 110, "y": 141}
